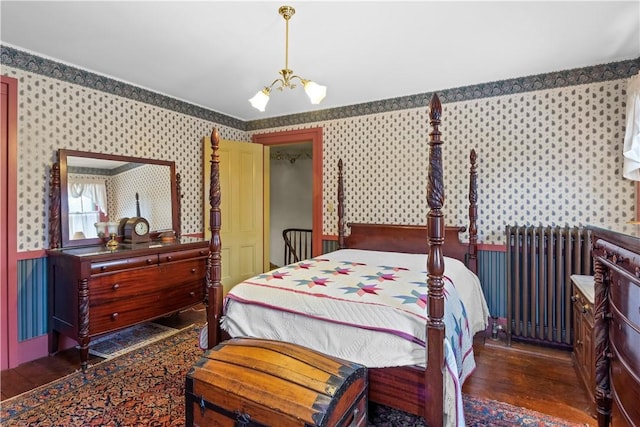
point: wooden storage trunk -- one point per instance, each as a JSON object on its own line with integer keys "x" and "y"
{"x": 255, "y": 382}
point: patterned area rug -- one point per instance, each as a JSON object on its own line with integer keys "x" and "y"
{"x": 477, "y": 412}
{"x": 121, "y": 342}
{"x": 145, "y": 387}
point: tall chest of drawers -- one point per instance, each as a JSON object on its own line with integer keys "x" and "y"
{"x": 93, "y": 290}
{"x": 617, "y": 326}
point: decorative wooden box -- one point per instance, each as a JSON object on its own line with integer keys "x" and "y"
{"x": 255, "y": 382}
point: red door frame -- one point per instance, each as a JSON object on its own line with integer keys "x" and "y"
{"x": 8, "y": 224}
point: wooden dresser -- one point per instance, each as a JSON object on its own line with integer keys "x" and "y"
{"x": 617, "y": 327}
{"x": 93, "y": 290}
{"x": 583, "y": 342}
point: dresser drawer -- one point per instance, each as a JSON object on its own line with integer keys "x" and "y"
{"x": 183, "y": 271}
{"x": 123, "y": 264}
{"x": 625, "y": 342}
{"x": 128, "y": 311}
{"x": 581, "y": 305}
{"x": 626, "y": 389}
{"x": 125, "y": 284}
{"x": 625, "y": 296}
{"x": 182, "y": 255}
{"x": 113, "y": 287}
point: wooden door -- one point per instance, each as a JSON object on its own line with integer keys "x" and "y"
{"x": 241, "y": 204}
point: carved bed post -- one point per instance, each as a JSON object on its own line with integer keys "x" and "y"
{"x": 340, "y": 207}
{"x": 434, "y": 381}
{"x": 601, "y": 337}
{"x": 472, "y": 264}
{"x": 54, "y": 206}
{"x": 214, "y": 289}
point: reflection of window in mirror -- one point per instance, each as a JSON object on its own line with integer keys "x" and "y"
{"x": 87, "y": 200}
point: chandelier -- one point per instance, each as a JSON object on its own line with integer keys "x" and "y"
{"x": 315, "y": 92}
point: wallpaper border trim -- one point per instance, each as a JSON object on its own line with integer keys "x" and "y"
{"x": 597, "y": 73}
{"x": 577, "y": 76}
{"x": 29, "y": 62}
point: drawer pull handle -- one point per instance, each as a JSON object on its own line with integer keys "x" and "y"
{"x": 114, "y": 316}
{"x": 353, "y": 419}
{"x": 169, "y": 258}
{"x": 103, "y": 268}
{"x": 202, "y": 252}
{"x": 149, "y": 261}
{"x": 193, "y": 270}
{"x": 574, "y": 298}
{"x": 192, "y": 294}
{"x": 584, "y": 308}
{"x": 116, "y": 286}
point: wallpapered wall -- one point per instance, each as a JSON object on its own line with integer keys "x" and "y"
{"x": 546, "y": 156}
{"x": 152, "y": 185}
{"x": 54, "y": 114}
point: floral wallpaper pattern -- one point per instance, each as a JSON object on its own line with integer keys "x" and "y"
{"x": 54, "y": 114}
{"x": 550, "y": 157}
{"x": 548, "y": 146}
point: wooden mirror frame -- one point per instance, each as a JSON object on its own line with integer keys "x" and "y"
{"x": 58, "y": 197}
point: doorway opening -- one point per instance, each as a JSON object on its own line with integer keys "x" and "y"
{"x": 295, "y": 142}
{"x": 290, "y": 198}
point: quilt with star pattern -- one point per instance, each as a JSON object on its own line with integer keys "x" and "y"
{"x": 386, "y": 298}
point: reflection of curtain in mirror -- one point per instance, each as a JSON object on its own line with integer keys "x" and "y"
{"x": 631, "y": 151}
{"x": 87, "y": 201}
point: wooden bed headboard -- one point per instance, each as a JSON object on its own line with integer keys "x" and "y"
{"x": 403, "y": 238}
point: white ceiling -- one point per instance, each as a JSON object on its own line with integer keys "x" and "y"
{"x": 91, "y": 162}
{"x": 218, "y": 54}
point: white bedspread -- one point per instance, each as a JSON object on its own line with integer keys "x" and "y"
{"x": 465, "y": 281}
{"x": 246, "y": 314}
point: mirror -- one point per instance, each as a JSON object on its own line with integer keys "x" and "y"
{"x": 97, "y": 190}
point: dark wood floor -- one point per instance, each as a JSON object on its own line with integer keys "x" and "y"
{"x": 524, "y": 375}
{"x": 529, "y": 376}
{"x": 42, "y": 371}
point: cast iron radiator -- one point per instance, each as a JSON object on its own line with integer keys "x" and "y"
{"x": 540, "y": 261}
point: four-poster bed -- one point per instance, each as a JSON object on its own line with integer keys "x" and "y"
{"x": 412, "y": 388}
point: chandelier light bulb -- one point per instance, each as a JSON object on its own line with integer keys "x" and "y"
{"x": 260, "y": 99}
{"x": 315, "y": 92}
